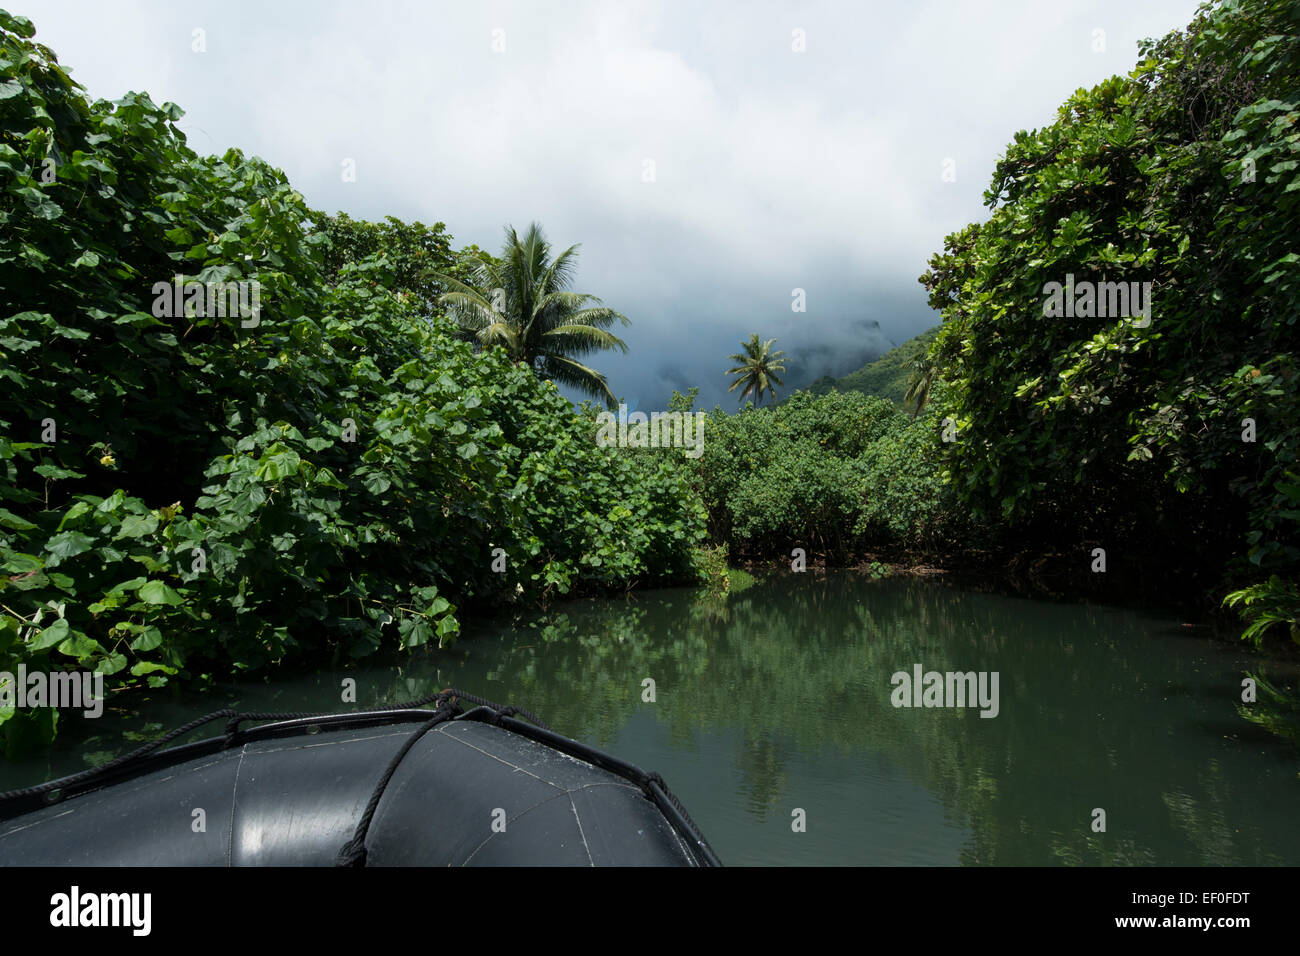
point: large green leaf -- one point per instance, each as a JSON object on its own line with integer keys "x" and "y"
{"x": 157, "y": 592}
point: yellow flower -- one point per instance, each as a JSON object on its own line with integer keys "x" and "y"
{"x": 107, "y": 461}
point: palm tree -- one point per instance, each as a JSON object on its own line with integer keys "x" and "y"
{"x": 522, "y": 303}
{"x": 757, "y": 369}
{"x": 921, "y": 383}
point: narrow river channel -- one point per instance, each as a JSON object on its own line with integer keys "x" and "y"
{"x": 775, "y": 707}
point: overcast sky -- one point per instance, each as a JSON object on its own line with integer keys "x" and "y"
{"x": 774, "y": 169}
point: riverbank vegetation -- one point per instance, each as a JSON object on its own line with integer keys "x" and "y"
{"x": 836, "y": 476}
{"x": 372, "y": 444}
{"x": 1170, "y": 440}
{"x": 1134, "y": 454}
{"x": 332, "y": 469}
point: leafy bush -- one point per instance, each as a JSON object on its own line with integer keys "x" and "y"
{"x": 1184, "y": 175}
{"x": 839, "y": 472}
{"x": 909, "y": 504}
{"x": 203, "y": 491}
{"x": 409, "y": 251}
{"x": 713, "y": 564}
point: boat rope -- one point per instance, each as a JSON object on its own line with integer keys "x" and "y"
{"x": 353, "y": 853}
{"x": 658, "y": 781}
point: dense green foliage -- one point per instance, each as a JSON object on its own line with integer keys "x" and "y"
{"x": 837, "y": 474}
{"x": 410, "y": 250}
{"x": 201, "y": 492}
{"x": 886, "y": 377}
{"x": 1128, "y": 434}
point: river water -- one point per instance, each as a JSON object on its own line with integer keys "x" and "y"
{"x": 774, "y": 721}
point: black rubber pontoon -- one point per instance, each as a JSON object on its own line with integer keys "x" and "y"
{"x": 401, "y": 787}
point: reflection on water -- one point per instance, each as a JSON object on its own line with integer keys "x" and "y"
{"x": 777, "y": 699}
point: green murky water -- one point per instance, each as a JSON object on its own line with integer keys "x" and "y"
{"x": 778, "y": 700}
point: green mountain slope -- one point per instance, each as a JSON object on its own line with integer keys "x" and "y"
{"x": 886, "y": 377}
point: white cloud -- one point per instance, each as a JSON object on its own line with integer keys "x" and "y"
{"x": 774, "y": 169}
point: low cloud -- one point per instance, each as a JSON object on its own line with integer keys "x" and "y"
{"x": 706, "y": 166}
